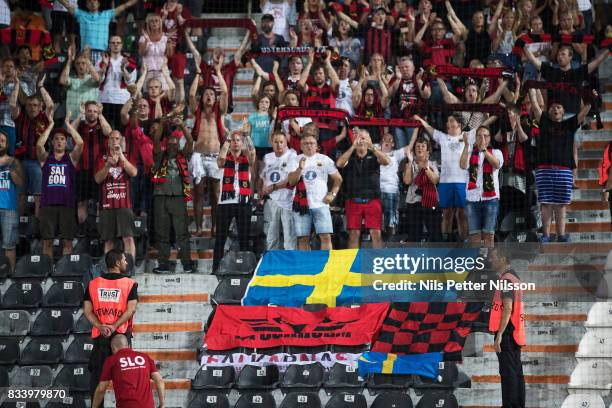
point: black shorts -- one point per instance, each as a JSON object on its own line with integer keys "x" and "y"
{"x": 62, "y": 21}
{"x": 55, "y": 219}
{"x": 116, "y": 223}
{"x": 86, "y": 186}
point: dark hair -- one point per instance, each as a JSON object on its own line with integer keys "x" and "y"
{"x": 423, "y": 140}
{"x": 112, "y": 257}
{"x": 60, "y": 131}
{"x": 23, "y": 47}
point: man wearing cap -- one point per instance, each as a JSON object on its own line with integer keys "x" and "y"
{"x": 554, "y": 163}
{"x": 267, "y": 38}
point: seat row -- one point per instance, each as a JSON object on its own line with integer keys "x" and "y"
{"x": 314, "y": 376}
{"x": 41, "y": 266}
{"x": 32, "y": 293}
{"x": 264, "y": 399}
{"x": 72, "y": 401}
{"x": 45, "y": 350}
{"x": 74, "y": 377}
{"x": 43, "y": 322}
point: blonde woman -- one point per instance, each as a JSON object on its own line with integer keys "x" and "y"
{"x": 153, "y": 48}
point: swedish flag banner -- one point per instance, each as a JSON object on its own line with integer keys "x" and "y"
{"x": 359, "y": 276}
{"x": 387, "y": 363}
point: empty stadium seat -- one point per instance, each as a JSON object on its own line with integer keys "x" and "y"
{"x": 237, "y": 263}
{"x": 591, "y": 377}
{"x": 389, "y": 399}
{"x": 388, "y": 381}
{"x": 79, "y": 349}
{"x": 594, "y": 345}
{"x": 208, "y": 399}
{"x": 22, "y": 294}
{"x": 447, "y": 376}
{"x": 438, "y": 399}
{"x": 4, "y": 377}
{"x": 583, "y": 401}
{"x": 68, "y": 293}
{"x": 301, "y": 400}
{"x": 9, "y": 350}
{"x": 258, "y": 399}
{"x": 257, "y": 377}
{"x": 604, "y": 287}
{"x": 42, "y": 350}
{"x": 72, "y": 265}
{"x": 73, "y": 377}
{"x": 14, "y": 322}
{"x": 53, "y": 322}
{"x": 31, "y": 376}
{"x": 82, "y": 325}
{"x": 343, "y": 377}
{"x": 301, "y": 377}
{"x": 600, "y": 315}
{"x": 72, "y": 401}
{"x": 27, "y": 226}
{"x": 214, "y": 377}
{"x": 33, "y": 266}
{"x": 230, "y": 290}
{"x": 346, "y": 400}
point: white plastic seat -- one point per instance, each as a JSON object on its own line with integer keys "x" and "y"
{"x": 600, "y": 315}
{"x": 592, "y": 377}
{"x": 583, "y": 401}
{"x": 604, "y": 288}
{"x": 595, "y": 346}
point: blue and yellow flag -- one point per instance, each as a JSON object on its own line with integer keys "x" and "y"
{"x": 347, "y": 277}
{"x": 386, "y": 363}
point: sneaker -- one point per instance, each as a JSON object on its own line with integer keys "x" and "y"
{"x": 564, "y": 238}
{"x": 161, "y": 269}
{"x": 544, "y": 239}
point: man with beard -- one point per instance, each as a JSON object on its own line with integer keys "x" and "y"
{"x": 171, "y": 191}
{"x": 11, "y": 177}
{"x": 267, "y": 38}
{"x": 58, "y": 186}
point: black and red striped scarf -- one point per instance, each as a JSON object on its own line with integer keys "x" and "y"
{"x": 518, "y": 161}
{"x": 429, "y": 194}
{"x": 131, "y": 65}
{"x": 300, "y": 200}
{"x": 160, "y": 174}
{"x": 244, "y": 178}
{"x": 488, "y": 187}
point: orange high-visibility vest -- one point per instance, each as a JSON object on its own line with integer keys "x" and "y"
{"x": 109, "y": 298}
{"x": 604, "y": 167}
{"x": 517, "y": 311}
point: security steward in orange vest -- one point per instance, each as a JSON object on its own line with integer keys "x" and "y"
{"x": 110, "y": 302}
{"x": 506, "y": 321}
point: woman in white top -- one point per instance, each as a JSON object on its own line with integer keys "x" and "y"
{"x": 152, "y": 47}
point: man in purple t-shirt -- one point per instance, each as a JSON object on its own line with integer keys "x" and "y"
{"x": 57, "y": 202}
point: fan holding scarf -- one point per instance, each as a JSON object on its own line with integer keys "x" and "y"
{"x": 236, "y": 159}
{"x": 483, "y": 164}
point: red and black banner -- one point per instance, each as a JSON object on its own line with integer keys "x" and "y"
{"x": 527, "y": 39}
{"x": 265, "y": 327}
{"x": 422, "y": 327}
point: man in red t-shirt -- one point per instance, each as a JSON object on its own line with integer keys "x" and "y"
{"x": 131, "y": 372}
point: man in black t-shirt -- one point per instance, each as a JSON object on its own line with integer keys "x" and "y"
{"x": 554, "y": 163}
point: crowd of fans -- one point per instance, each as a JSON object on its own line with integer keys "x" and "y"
{"x": 124, "y": 128}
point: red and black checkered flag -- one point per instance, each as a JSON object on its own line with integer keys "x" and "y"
{"x": 422, "y": 327}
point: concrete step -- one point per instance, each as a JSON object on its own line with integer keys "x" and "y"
{"x": 589, "y": 215}
{"x": 537, "y": 396}
{"x": 180, "y": 311}
{"x": 185, "y": 335}
{"x": 158, "y": 286}
{"x": 488, "y": 365}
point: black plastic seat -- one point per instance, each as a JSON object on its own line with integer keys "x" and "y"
{"x": 388, "y": 381}
{"x": 438, "y": 399}
{"x": 53, "y": 322}
{"x": 67, "y": 294}
{"x": 447, "y": 376}
{"x": 27, "y": 226}
{"x": 72, "y": 401}
{"x": 208, "y": 399}
{"x": 20, "y": 404}
{"x": 257, "y": 377}
{"x": 4, "y": 377}
{"x": 9, "y": 350}
{"x": 214, "y": 377}
{"x": 389, "y": 399}
{"x": 301, "y": 377}
{"x": 74, "y": 377}
{"x": 343, "y": 378}
{"x": 72, "y": 265}
{"x": 14, "y": 322}
{"x": 33, "y": 266}
{"x": 23, "y": 294}
{"x": 42, "y": 350}
{"x": 5, "y": 266}
{"x": 82, "y": 325}
{"x": 31, "y": 376}
{"x": 230, "y": 290}
{"x": 258, "y": 399}
{"x": 79, "y": 349}
{"x": 237, "y": 263}
{"x": 301, "y": 400}
{"x": 140, "y": 226}
{"x": 347, "y": 400}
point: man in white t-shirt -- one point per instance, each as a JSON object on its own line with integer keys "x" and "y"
{"x": 281, "y": 10}
{"x": 344, "y": 100}
{"x": 389, "y": 183}
{"x": 309, "y": 173}
{"x": 278, "y": 210}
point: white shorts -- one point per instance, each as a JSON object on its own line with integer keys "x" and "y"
{"x": 204, "y": 165}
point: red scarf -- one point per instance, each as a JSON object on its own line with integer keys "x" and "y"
{"x": 518, "y": 164}
{"x": 429, "y": 194}
{"x": 244, "y": 178}
{"x": 488, "y": 187}
{"x": 300, "y": 200}
{"x": 131, "y": 65}
{"x": 160, "y": 174}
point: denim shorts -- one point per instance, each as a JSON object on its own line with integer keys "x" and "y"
{"x": 482, "y": 216}
{"x": 390, "y": 202}
{"x": 321, "y": 217}
{"x": 10, "y": 228}
{"x": 33, "y": 177}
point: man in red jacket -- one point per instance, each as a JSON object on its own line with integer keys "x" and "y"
{"x": 131, "y": 372}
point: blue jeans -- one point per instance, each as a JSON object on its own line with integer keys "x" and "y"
{"x": 33, "y": 177}
{"x": 390, "y": 202}
{"x": 482, "y": 216}
{"x": 321, "y": 217}
{"x": 401, "y": 136}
